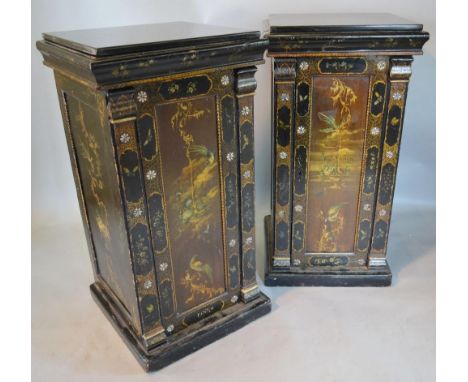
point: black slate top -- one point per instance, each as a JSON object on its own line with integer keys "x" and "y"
{"x": 339, "y": 22}
{"x": 142, "y": 38}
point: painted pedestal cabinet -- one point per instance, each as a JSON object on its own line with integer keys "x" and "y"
{"x": 159, "y": 124}
{"x": 339, "y": 89}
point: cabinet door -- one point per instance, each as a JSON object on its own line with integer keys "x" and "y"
{"x": 339, "y": 110}
{"x": 187, "y": 134}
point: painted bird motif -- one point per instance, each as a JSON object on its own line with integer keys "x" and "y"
{"x": 198, "y": 266}
{"x": 342, "y": 96}
{"x": 188, "y": 211}
{"x": 329, "y": 121}
{"x": 334, "y": 212}
{"x": 203, "y": 152}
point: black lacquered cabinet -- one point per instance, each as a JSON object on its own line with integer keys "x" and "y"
{"x": 339, "y": 88}
{"x": 159, "y": 125}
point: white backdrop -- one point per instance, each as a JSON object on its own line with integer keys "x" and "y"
{"x": 53, "y": 194}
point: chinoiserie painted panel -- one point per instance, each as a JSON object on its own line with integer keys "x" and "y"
{"x": 190, "y": 173}
{"x": 335, "y": 154}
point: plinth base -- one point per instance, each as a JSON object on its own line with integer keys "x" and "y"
{"x": 372, "y": 276}
{"x": 382, "y": 277}
{"x": 186, "y": 341}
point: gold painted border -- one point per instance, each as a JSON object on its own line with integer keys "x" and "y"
{"x": 303, "y": 75}
{"x": 246, "y": 100}
{"x": 383, "y": 211}
{"x": 373, "y": 120}
{"x": 231, "y": 233}
{"x": 281, "y": 87}
{"x": 128, "y": 127}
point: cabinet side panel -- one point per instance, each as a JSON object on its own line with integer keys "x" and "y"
{"x": 92, "y": 148}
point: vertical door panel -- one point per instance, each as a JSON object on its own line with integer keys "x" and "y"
{"x": 191, "y": 181}
{"x": 337, "y": 137}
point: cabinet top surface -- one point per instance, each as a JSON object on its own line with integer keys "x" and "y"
{"x": 339, "y": 22}
{"x": 142, "y": 38}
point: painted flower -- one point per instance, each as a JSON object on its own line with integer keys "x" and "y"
{"x": 124, "y": 138}
{"x": 397, "y": 96}
{"x": 137, "y": 212}
{"x": 247, "y": 174}
{"x": 298, "y": 208}
{"x": 367, "y": 207}
{"x": 163, "y": 266}
{"x": 381, "y": 65}
{"x": 284, "y": 97}
{"x": 232, "y": 243}
{"x": 304, "y": 65}
{"x": 382, "y": 212}
{"x": 142, "y": 96}
{"x": 234, "y": 299}
{"x": 245, "y": 110}
{"x": 170, "y": 328}
{"x": 225, "y": 80}
{"x": 230, "y": 156}
{"x": 389, "y": 154}
{"x": 296, "y": 262}
{"x": 301, "y": 130}
{"x": 283, "y": 155}
{"x": 120, "y": 71}
{"x": 375, "y": 130}
{"x": 191, "y": 87}
{"x": 173, "y": 88}
{"x": 249, "y": 240}
{"x": 148, "y": 284}
{"x": 151, "y": 174}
